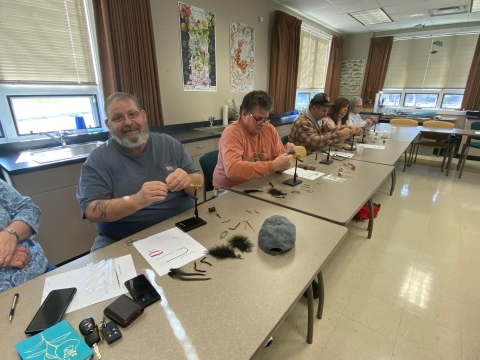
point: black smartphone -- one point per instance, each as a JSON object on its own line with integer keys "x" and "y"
{"x": 51, "y": 311}
{"x": 142, "y": 290}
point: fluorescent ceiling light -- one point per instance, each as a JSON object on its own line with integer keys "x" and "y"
{"x": 371, "y": 17}
{"x": 475, "y": 5}
{"x": 449, "y": 10}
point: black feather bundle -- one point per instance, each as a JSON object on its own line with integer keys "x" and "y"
{"x": 241, "y": 242}
{"x": 276, "y": 193}
{"x": 182, "y": 275}
{"x": 223, "y": 252}
{"x": 252, "y": 191}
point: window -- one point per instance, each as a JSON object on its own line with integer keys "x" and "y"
{"x": 313, "y": 62}
{"x": 35, "y": 114}
{"x": 303, "y": 100}
{"x": 390, "y": 99}
{"x": 420, "y": 100}
{"x": 46, "y": 52}
{"x": 452, "y": 101}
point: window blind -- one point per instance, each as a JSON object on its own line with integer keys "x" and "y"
{"x": 45, "y": 41}
{"x": 412, "y": 65}
{"x": 314, "y": 51}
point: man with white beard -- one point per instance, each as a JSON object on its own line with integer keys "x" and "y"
{"x": 136, "y": 179}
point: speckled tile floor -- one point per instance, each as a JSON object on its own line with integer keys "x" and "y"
{"x": 410, "y": 292}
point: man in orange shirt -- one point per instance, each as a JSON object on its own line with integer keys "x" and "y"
{"x": 251, "y": 147}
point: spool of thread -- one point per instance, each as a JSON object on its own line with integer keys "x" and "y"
{"x": 225, "y": 115}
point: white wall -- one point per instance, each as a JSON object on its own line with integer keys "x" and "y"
{"x": 182, "y": 106}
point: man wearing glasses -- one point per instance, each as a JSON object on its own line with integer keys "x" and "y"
{"x": 250, "y": 147}
{"x": 137, "y": 178}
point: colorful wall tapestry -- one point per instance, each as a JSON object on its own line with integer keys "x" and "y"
{"x": 197, "y": 36}
{"x": 351, "y": 77}
{"x": 242, "y": 54}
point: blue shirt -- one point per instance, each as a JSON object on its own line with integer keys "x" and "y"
{"x": 111, "y": 173}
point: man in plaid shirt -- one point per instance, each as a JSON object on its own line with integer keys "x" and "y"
{"x": 309, "y": 132}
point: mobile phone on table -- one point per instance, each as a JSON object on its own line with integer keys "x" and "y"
{"x": 51, "y": 311}
{"x": 142, "y": 290}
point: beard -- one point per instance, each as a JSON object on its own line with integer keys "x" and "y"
{"x": 130, "y": 143}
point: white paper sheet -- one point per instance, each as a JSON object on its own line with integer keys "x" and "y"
{"x": 169, "y": 249}
{"x": 24, "y": 157}
{"x": 305, "y": 174}
{"x": 347, "y": 155}
{"x": 477, "y": 132}
{"x": 369, "y": 146}
{"x": 125, "y": 269}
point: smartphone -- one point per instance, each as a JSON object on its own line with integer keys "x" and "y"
{"x": 142, "y": 290}
{"x": 51, "y": 311}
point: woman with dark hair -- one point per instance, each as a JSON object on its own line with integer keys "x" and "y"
{"x": 337, "y": 116}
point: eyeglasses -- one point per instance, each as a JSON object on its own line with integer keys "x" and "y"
{"x": 117, "y": 119}
{"x": 259, "y": 119}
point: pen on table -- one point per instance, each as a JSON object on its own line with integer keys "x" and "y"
{"x": 12, "y": 310}
{"x": 316, "y": 155}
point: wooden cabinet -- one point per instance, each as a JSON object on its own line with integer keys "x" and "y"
{"x": 63, "y": 233}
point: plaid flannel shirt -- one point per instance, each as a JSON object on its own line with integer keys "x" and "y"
{"x": 312, "y": 136}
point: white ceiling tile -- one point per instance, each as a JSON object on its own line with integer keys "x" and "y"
{"x": 449, "y": 19}
{"x": 335, "y": 2}
{"x": 474, "y": 16}
{"x": 412, "y": 23}
{"x": 436, "y": 4}
{"x": 410, "y": 8}
{"x": 383, "y": 27}
{"x": 385, "y": 3}
{"x": 353, "y": 30}
{"x": 280, "y": 1}
{"x": 326, "y": 11}
{"x": 422, "y": 14}
{"x": 359, "y": 6}
{"x": 307, "y": 5}
{"x": 347, "y": 24}
{"x": 333, "y": 19}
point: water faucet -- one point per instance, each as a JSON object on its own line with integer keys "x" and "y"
{"x": 62, "y": 135}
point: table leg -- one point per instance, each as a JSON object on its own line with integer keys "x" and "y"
{"x": 409, "y": 162}
{"x": 394, "y": 181}
{"x": 452, "y": 150}
{"x": 310, "y": 314}
{"x": 464, "y": 156}
{"x": 370, "y": 221}
{"x": 321, "y": 295}
{"x": 405, "y": 162}
{"x": 460, "y": 160}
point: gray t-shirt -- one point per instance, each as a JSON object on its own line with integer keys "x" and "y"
{"x": 111, "y": 173}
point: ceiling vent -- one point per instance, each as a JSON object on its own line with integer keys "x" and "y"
{"x": 449, "y": 10}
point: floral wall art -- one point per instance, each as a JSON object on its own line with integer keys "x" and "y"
{"x": 197, "y": 37}
{"x": 242, "y": 54}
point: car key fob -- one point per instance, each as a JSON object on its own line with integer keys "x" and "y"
{"x": 86, "y": 326}
{"x": 111, "y": 332}
{"x": 89, "y": 331}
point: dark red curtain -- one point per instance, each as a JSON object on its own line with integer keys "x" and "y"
{"x": 332, "y": 81}
{"x": 284, "y": 61}
{"x": 126, "y": 48}
{"x": 376, "y": 68}
{"x": 471, "y": 96}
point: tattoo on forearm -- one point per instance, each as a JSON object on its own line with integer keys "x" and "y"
{"x": 101, "y": 205}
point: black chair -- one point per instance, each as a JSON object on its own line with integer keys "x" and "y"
{"x": 284, "y": 139}
{"x": 208, "y": 162}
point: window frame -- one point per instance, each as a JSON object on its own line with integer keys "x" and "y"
{"x": 95, "y": 110}
{"x": 420, "y": 93}
{"x": 6, "y": 121}
{"x": 443, "y": 99}
{"x": 438, "y": 107}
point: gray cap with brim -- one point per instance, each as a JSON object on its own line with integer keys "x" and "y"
{"x": 277, "y": 235}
